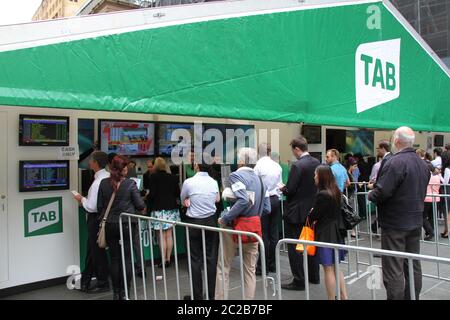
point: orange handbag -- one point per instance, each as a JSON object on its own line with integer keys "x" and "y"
{"x": 307, "y": 234}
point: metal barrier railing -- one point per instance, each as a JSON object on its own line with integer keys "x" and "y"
{"x": 369, "y": 206}
{"x": 187, "y": 227}
{"x": 370, "y": 233}
{"x": 336, "y": 247}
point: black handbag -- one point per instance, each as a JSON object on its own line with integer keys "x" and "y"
{"x": 349, "y": 217}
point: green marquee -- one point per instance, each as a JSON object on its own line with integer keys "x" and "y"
{"x": 318, "y": 65}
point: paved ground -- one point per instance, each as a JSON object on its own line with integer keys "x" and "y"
{"x": 357, "y": 288}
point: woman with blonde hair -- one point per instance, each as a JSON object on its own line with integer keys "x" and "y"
{"x": 163, "y": 204}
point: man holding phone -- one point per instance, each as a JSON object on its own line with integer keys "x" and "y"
{"x": 96, "y": 263}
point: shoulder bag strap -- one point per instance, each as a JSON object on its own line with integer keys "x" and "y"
{"x": 108, "y": 209}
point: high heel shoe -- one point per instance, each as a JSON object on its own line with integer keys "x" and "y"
{"x": 444, "y": 235}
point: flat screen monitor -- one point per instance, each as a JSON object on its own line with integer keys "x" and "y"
{"x": 43, "y": 175}
{"x": 168, "y": 139}
{"x": 37, "y": 130}
{"x": 313, "y": 134}
{"x": 239, "y": 136}
{"x": 128, "y": 138}
{"x": 439, "y": 140}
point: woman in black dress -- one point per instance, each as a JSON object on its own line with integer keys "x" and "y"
{"x": 327, "y": 218}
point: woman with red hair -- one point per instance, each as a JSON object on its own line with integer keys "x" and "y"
{"x": 127, "y": 199}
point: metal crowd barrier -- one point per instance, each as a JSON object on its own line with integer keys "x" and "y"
{"x": 368, "y": 231}
{"x": 187, "y": 226}
{"x": 337, "y": 247}
{"x": 370, "y": 234}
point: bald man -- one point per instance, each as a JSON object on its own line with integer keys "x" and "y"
{"x": 399, "y": 193}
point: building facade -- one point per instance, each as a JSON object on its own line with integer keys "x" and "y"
{"x": 431, "y": 19}
{"x": 54, "y": 9}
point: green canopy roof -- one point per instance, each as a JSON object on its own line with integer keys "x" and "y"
{"x": 293, "y": 65}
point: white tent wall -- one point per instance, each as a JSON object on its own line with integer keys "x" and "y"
{"x": 37, "y": 258}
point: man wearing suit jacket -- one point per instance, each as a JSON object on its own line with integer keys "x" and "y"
{"x": 300, "y": 191}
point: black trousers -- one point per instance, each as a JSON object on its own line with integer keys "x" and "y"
{"x": 96, "y": 262}
{"x": 113, "y": 241}
{"x": 197, "y": 261}
{"x": 270, "y": 233}
{"x": 362, "y": 209}
{"x": 428, "y": 219}
{"x": 136, "y": 244}
{"x": 296, "y": 258}
{"x": 395, "y": 270}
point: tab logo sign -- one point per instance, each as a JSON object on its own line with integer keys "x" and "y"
{"x": 43, "y": 216}
{"x": 377, "y": 77}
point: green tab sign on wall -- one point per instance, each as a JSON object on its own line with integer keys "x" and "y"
{"x": 43, "y": 216}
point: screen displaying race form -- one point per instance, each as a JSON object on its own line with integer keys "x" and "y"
{"x": 43, "y": 131}
{"x": 43, "y": 175}
{"x": 165, "y": 142}
{"x": 130, "y": 138}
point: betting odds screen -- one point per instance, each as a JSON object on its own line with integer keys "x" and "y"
{"x": 44, "y": 175}
{"x": 43, "y": 131}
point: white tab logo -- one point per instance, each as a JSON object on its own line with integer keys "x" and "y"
{"x": 44, "y": 216}
{"x": 377, "y": 73}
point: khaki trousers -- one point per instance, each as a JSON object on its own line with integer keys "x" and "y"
{"x": 249, "y": 256}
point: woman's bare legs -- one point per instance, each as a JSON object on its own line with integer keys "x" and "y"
{"x": 330, "y": 283}
{"x": 169, "y": 243}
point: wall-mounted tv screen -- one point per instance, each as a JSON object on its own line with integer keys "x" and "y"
{"x": 43, "y": 175}
{"x": 168, "y": 140}
{"x": 313, "y": 134}
{"x": 241, "y": 136}
{"x": 37, "y": 130}
{"x": 129, "y": 138}
{"x": 439, "y": 140}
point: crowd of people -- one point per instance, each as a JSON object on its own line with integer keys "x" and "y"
{"x": 398, "y": 185}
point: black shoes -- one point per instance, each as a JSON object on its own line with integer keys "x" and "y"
{"x": 119, "y": 295}
{"x": 83, "y": 288}
{"x": 429, "y": 238}
{"x": 138, "y": 272}
{"x": 293, "y": 286}
{"x": 99, "y": 289}
{"x": 167, "y": 264}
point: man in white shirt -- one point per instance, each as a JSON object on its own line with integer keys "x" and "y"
{"x": 271, "y": 175}
{"x": 200, "y": 194}
{"x": 437, "y": 162}
{"x": 96, "y": 263}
